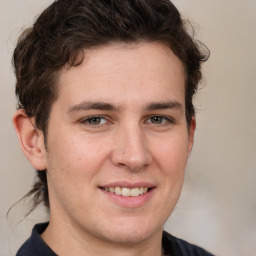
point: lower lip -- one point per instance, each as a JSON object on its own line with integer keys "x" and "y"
{"x": 130, "y": 201}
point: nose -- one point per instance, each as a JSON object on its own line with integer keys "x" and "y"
{"x": 130, "y": 149}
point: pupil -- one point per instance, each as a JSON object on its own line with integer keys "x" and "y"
{"x": 95, "y": 120}
{"x": 156, "y": 119}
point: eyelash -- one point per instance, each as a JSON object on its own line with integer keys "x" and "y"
{"x": 168, "y": 120}
{"x": 88, "y": 119}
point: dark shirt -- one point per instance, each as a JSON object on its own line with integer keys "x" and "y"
{"x": 172, "y": 246}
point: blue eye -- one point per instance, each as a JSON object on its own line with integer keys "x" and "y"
{"x": 95, "y": 120}
{"x": 157, "y": 119}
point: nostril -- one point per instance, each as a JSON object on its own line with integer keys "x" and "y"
{"x": 131, "y": 153}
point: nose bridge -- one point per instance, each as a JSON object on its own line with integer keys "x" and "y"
{"x": 130, "y": 149}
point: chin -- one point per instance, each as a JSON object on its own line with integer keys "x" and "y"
{"x": 131, "y": 234}
{"x": 128, "y": 239}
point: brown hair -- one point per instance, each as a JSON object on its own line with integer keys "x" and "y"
{"x": 66, "y": 27}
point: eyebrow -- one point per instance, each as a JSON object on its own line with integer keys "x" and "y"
{"x": 85, "y": 105}
{"x": 164, "y": 105}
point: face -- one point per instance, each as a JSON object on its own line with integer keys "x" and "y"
{"x": 118, "y": 143}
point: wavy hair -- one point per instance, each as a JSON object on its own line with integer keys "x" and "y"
{"x": 67, "y": 27}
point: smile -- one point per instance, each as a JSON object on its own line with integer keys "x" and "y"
{"x": 123, "y": 191}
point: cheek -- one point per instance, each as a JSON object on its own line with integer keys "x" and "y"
{"x": 172, "y": 154}
{"x": 71, "y": 171}
{"x": 76, "y": 157}
{"x": 171, "y": 158}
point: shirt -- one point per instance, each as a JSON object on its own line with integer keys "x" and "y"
{"x": 172, "y": 246}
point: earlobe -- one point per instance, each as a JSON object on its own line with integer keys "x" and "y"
{"x": 31, "y": 139}
{"x": 192, "y": 128}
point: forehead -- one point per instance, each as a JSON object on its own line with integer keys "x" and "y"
{"x": 121, "y": 69}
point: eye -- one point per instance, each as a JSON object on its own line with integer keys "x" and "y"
{"x": 95, "y": 120}
{"x": 159, "y": 120}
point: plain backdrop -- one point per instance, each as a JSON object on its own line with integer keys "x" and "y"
{"x": 217, "y": 208}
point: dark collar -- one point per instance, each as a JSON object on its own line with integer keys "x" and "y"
{"x": 172, "y": 246}
{"x": 35, "y": 246}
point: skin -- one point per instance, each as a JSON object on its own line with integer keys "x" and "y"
{"x": 133, "y": 140}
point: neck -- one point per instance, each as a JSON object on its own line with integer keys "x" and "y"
{"x": 66, "y": 240}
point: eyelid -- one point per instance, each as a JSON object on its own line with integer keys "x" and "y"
{"x": 86, "y": 119}
{"x": 169, "y": 120}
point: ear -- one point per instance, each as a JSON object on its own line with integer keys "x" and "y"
{"x": 191, "y": 132}
{"x": 31, "y": 139}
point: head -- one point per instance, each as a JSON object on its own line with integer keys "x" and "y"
{"x": 64, "y": 32}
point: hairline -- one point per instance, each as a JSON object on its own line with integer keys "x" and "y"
{"x": 81, "y": 57}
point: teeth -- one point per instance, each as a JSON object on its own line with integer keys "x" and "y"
{"x": 112, "y": 190}
{"x": 135, "y": 192}
{"x": 118, "y": 191}
{"x": 127, "y": 191}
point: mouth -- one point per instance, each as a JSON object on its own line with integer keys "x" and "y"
{"x": 127, "y": 192}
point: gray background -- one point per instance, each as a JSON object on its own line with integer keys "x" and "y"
{"x": 217, "y": 208}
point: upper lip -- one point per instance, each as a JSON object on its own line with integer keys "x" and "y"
{"x": 125, "y": 184}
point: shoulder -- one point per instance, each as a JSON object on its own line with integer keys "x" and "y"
{"x": 35, "y": 246}
{"x": 178, "y": 247}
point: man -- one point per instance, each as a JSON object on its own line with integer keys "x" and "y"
{"x": 106, "y": 117}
